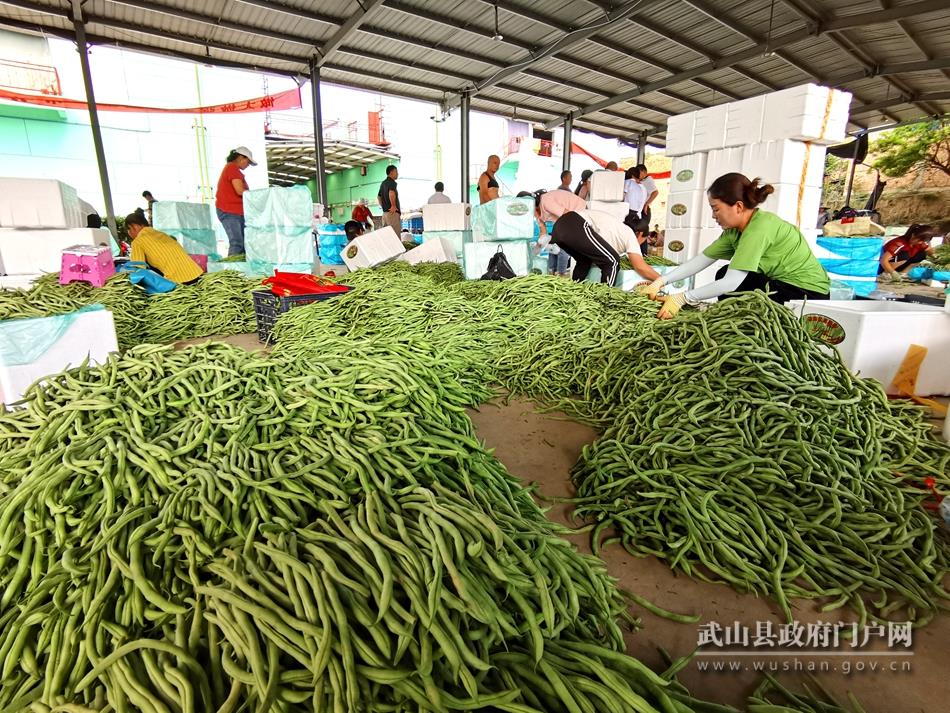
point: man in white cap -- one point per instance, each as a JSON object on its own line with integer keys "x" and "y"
{"x": 228, "y": 199}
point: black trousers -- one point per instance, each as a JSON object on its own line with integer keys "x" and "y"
{"x": 779, "y": 291}
{"x": 908, "y": 261}
{"x": 577, "y": 238}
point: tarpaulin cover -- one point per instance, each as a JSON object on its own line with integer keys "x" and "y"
{"x": 272, "y": 246}
{"x": 862, "y": 288}
{"x": 504, "y": 218}
{"x": 331, "y": 239}
{"x": 195, "y": 241}
{"x": 857, "y": 257}
{"x": 849, "y": 268}
{"x": 23, "y": 341}
{"x": 279, "y": 207}
{"x": 180, "y": 214}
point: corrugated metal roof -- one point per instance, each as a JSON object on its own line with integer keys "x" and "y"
{"x": 620, "y": 75}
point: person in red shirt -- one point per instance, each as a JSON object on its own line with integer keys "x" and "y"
{"x": 361, "y": 214}
{"x": 900, "y": 254}
{"x": 228, "y": 199}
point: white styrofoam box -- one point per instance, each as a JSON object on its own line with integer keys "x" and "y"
{"x": 175, "y": 215}
{"x": 709, "y": 132}
{"x": 438, "y": 250}
{"x": 784, "y": 202}
{"x": 26, "y": 252}
{"x": 688, "y": 173}
{"x": 446, "y": 216}
{"x": 39, "y": 203}
{"x": 505, "y": 218}
{"x": 873, "y": 336}
{"x": 18, "y": 282}
{"x": 679, "y": 134}
{"x": 517, "y": 252}
{"x": 72, "y": 338}
{"x": 373, "y": 249}
{"x": 458, "y": 238}
{"x": 804, "y": 114}
{"x": 685, "y": 239}
{"x": 617, "y": 209}
{"x": 784, "y": 162}
{"x": 606, "y": 186}
{"x": 686, "y": 209}
{"x": 721, "y": 162}
{"x": 744, "y": 122}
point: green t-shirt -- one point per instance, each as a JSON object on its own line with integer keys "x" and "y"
{"x": 774, "y": 248}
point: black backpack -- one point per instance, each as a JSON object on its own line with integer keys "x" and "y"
{"x": 498, "y": 267}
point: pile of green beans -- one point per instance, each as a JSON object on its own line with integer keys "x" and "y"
{"x": 741, "y": 452}
{"x": 734, "y": 447}
{"x": 208, "y": 529}
{"x": 220, "y": 303}
{"x": 655, "y": 260}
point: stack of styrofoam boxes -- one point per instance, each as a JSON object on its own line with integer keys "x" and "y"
{"x": 373, "y": 249}
{"x": 432, "y": 250}
{"x": 278, "y": 234}
{"x": 778, "y": 138}
{"x": 606, "y": 193}
{"x": 506, "y": 224}
{"x": 38, "y": 347}
{"x": 448, "y": 221}
{"x": 189, "y": 223}
{"x": 38, "y": 219}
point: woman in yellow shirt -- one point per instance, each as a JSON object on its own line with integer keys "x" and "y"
{"x": 161, "y": 252}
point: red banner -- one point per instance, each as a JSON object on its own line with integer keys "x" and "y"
{"x": 272, "y": 102}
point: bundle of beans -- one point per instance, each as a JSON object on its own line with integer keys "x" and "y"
{"x": 740, "y": 451}
{"x": 219, "y": 303}
{"x": 209, "y": 529}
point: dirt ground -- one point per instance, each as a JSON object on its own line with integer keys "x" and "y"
{"x": 542, "y": 449}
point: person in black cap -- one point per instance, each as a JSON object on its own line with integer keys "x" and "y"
{"x": 353, "y": 229}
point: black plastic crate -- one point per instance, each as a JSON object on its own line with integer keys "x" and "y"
{"x": 268, "y": 307}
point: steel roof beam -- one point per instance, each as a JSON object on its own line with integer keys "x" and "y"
{"x": 294, "y": 12}
{"x": 904, "y": 99}
{"x": 213, "y": 21}
{"x": 845, "y": 43}
{"x": 832, "y": 25}
{"x": 912, "y": 37}
{"x": 367, "y": 8}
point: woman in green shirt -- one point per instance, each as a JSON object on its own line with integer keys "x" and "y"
{"x": 764, "y": 252}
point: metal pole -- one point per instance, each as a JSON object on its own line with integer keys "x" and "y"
{"x": 854, "y": 163}
{"x": 642, "y": 147}
{"x": 465, "y": 107}
{"x": 94, "y": 117}
{"x": 318, "y": 132}
{"x": 568, "y": 130}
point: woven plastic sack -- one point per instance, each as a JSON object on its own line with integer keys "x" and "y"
{"x": 848, "y": 227}
{"x": 179, "y": 215}
{"x": 23, "y": 341}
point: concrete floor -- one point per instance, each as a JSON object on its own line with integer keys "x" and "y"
{"x": 541, "y": 449}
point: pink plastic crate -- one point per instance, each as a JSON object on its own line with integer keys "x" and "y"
{"x": 84, "y": 263}
{"x": 201, "y": 260}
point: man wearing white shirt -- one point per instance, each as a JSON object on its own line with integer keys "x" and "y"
{"x": 649, "y": 190}
{"x": 593, "y": 237}
{"x": 439, "y": 196}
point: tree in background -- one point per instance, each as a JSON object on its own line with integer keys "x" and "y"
{"x": 917, "y": 146}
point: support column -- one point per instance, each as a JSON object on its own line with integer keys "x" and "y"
{"x": 642, "y": 147}
{"x": 854, "y": 164}
{"x": 465, "y": 109}
{"x": 80, "y": 31}
{"x": 568, "y": 130}
{"x": 321, "y": 182}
